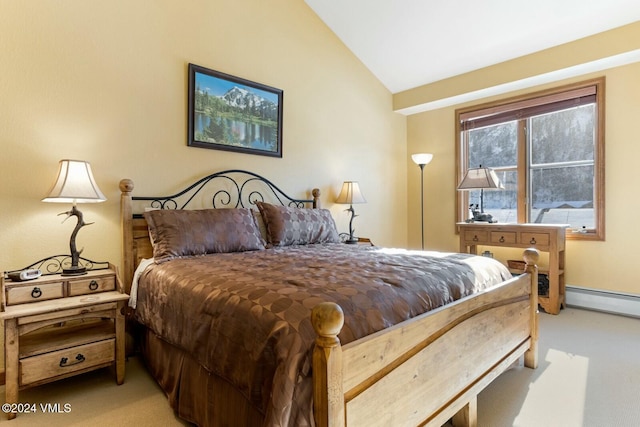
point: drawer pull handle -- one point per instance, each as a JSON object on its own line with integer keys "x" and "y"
{"x": 93, "y": 285}
{"x": 64, "y": 361}
{"x": 501, "y": 239}
{"x": 533, "y": 241}
{"x": 36, "y": 292}
{"x": 475, "y": 237}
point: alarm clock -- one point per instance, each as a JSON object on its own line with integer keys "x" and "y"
{"x": 22, "y": 275}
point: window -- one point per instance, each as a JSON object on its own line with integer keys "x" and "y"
{"x": 547, "y": 149}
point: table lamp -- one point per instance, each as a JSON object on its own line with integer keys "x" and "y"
{"x": 481, "y": 179}
{"x": 74, "y": 184}
{"x": 349, "y": 195}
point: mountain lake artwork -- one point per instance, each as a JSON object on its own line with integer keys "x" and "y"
{"x": 233, "y": 114}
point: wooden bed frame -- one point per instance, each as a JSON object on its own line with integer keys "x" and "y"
{"x": 425, "y": 371}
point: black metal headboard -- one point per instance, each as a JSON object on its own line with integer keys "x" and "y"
{"x": 234, "y": 188}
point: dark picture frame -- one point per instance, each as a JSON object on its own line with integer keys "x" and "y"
{"x": 228, "y": 113}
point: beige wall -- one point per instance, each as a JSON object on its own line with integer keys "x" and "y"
{"x": 106, "y": 82}
{"x": 606, "y": 265}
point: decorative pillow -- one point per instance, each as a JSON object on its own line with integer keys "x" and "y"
{"x": 298, "y": 226}
{"x": 178, "y": 233}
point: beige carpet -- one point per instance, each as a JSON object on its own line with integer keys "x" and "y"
{"x": 589, "y": 376}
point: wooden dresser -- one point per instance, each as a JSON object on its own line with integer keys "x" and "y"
{"x": 544, "y": 237}
{"x": 57, "y": 326}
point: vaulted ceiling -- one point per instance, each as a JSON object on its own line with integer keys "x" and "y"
{"x": 409, "y": 43}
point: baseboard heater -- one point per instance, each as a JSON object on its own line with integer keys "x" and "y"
{"x": 607, "y": 301}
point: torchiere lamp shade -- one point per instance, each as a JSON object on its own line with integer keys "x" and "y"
{"x": 422, "y": 159}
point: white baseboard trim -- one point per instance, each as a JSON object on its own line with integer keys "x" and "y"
{"x": 607, "y": 301}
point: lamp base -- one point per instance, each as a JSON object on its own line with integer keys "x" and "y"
{"x": 484, "y": 219}
{"x": 351, "y": 241}
{"x": 74, "y": 271}
{"x": 479, "y": 216}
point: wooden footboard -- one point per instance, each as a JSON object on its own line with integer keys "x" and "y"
{"x": 429, "y": 369}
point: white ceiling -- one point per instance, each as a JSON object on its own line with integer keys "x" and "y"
{"x": 409, "y": 43}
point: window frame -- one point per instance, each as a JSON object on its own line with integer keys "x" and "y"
{"x": 530, "y": 100}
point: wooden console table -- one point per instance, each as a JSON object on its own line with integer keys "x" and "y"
{"x": 544, "y": 237}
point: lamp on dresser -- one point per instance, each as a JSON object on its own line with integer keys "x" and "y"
{"x": 422, "y": 159}
{"x": 481, "y": 179}
{"x": 349, "y": 195}
{"x": 74, "y": 184}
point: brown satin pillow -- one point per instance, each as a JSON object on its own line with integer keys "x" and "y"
{"x": 298, "y": 226}
{"x": 179, "y": 233}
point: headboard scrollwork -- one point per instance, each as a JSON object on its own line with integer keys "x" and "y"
{"x": 227, "y": 189}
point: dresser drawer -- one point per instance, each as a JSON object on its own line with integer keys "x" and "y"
{"x": 92, "y": 285}
{"x": 476, "y": 236}
{"x": 34, "y": 292}
{"x": 50, "y": 365}
{"x": 535, "y": 239}
{"x": 503, "y": 237}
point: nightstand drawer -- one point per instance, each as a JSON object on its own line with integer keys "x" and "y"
{"x": 503, "y": 237}
{"x": 34, "y": 292}
{"x": 476, "y": 236}
{"x": 540, "y": 239}
{"x": 63, "y": 362}
{"x": 89, "y": 286}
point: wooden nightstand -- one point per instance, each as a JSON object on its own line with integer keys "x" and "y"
{"x": 58, "y": 326}
{"x": 365, "y": 241}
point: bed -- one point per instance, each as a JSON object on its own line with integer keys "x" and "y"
{"x": 256, "y": 314}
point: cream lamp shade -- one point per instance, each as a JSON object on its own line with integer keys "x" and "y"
{"x": 480, "y": 179}
{"x": 74, "y": 184}
{"x": 350, "y": 194}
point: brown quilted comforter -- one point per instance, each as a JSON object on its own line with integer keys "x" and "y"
{"x": 245, "y": 316}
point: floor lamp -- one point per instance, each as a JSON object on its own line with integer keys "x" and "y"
{"x": 422, "y": 159}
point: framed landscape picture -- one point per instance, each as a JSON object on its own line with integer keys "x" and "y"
{"x": 233, "y": 114}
